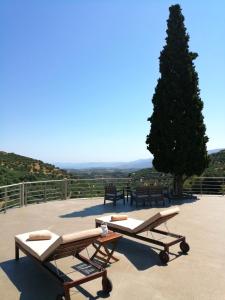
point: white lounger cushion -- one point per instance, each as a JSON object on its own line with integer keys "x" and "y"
{"x": 134, "y": 225}
{"x": 128, "y": 225}
{"x": 39, "y": 249}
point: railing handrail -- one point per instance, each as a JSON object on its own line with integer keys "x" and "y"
{"x": 105, "y": 178}
{"x": 68, "y": 179}
{"x": 9, "y": 185}
{"x": 43, "y": 181}
{"x": 204, "y": 177}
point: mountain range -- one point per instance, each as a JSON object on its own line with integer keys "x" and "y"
{"x": 136, "y": 164}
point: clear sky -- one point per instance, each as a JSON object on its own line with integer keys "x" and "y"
{"x": 77, "y": 76}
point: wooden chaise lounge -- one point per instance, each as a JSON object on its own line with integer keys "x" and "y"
{"x": 134, "y": 228}
{"x": 46, "y": 250}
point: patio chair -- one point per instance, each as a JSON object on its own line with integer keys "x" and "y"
{"x": 134, "y": 228}
{"x": 45, "y": 250}
{"x": 157, "y": 194}
{"x": 112, "y": 194}
{"x": 140, "y": 195}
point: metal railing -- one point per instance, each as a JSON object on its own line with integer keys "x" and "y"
{"x": 20, "y": 194}
{"x": 205, "y": 185}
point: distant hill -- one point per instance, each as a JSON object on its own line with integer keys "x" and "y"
{"x": 137, "y": 164}
{"x": 215, "y": 150}
{"x": 132, "y": 165}
{"x": 216, "y": 165}
{"x": 16, "y": 168}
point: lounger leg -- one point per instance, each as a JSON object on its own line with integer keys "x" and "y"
{"x": 17, "y": 256}
{"x": 67, "y": 293}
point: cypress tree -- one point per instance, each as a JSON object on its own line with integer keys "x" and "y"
{"x": 177, "y": 137}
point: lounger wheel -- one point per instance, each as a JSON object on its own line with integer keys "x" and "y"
{"x": 164, "y": 257}
{"x": 107, "y": 285}
{"x": 184, "y": 247}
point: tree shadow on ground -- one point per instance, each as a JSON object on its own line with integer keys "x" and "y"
{"x": 100, "y": 209}
{"x": 33, "y": 282}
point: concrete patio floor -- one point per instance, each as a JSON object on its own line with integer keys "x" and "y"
{"x": 138, "y": 274}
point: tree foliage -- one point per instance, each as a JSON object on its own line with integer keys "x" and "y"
{"x": 177, "y": 137}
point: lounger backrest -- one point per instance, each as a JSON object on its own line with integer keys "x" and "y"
{"x": 157, "y": 219}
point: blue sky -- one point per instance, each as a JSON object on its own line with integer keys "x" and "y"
{"x": 77, "y": 77}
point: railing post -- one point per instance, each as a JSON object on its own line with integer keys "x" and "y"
{"x": 65, "y": 188}
{"x": 201, "y": 187}
{"x": 91, "y": 189}
{"x": 22, "y": 194}
{"x": 25, "y": 194}
{"x": 223, "y": 189}
{"x": 5, "y": 199}
{"x": 45, "y": 193}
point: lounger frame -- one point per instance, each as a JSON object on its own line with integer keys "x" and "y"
{"x": 152, "y": 228}
{"x": 70, "y": 249}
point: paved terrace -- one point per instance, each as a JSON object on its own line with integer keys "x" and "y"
{"x": 139, "y": 273}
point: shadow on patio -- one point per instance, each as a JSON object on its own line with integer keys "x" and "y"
{"x": 101, "y": 209}
{"x": 33, "y": 282}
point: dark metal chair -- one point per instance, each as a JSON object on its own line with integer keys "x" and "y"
{"x": 157, "y": 194}
{"x": 149, "y": 194}
{"x": 112, "y": 194}
{"x": 141, "y": 194}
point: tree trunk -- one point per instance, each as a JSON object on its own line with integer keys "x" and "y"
{"x": 178, "y": 185}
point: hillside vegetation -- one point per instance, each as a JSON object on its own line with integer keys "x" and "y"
{"x": 15, "y": 168}
{"x": 217, "y": 165}
{"x": 216, "y": 168}
{"x": 100, "y": 173}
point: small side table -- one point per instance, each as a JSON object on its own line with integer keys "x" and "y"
{"x": 100, "y": 245}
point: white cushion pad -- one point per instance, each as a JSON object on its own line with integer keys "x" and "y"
{"x": 135, "y": 226}
{"x": 39, "y": 249}
{"x": 127, "y": 225}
